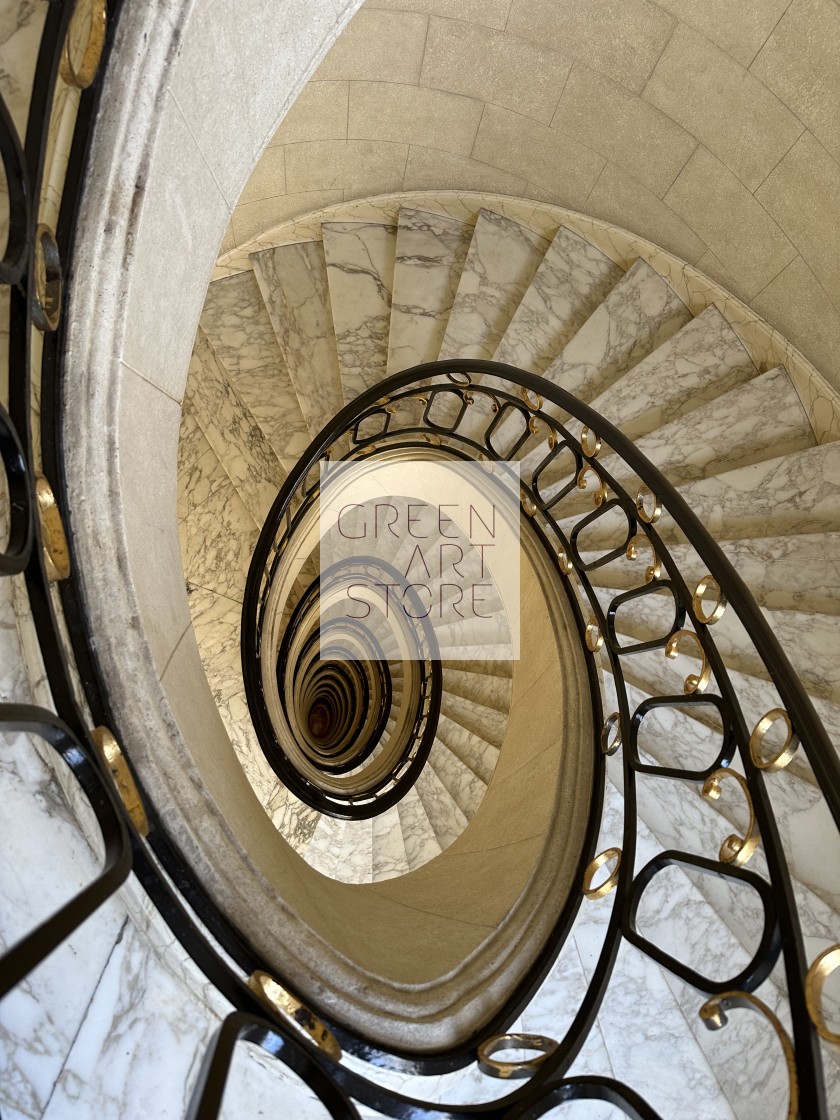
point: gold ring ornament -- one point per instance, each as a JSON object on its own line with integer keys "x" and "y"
{"x": 495, "y": 1067}
{"x": 45, "y": 305}
{"x": 641, "y": 505}
{"x": 654, "y": 568}
{"x": 612, "y": 724}
{"x": 713, "y": 1014}
{"x": 694, "y": 682}
{"x": 599, "y": 496}
{"x": 433, "y": 438}
{"x": 784, "y": 754}
{"x": 590, "y": 449}
{"x": 275, "y": 997}
{"x": 818, "y": 973}
{"x": 81, "y": 75}
{"x": 593, "y": 637}
{"x": 112, "y": 756}
{"x": 735, "y": 849}
{"x": 563, "y": 562}
{"x": 533, "y": 400}
{"x": 610, "y": 883}
{"x": 462, "y": 380}
{"x": 53, "y": 539}
{"x": 708, "y": 618}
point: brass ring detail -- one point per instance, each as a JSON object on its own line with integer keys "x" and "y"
{"x": 641, "y": 497}
{"x": 610, "y": 883}
{"x": 433, "y": 438}
{"x": 708, "y": 583}
{"x": 508, "y": 1070}
{"x": 53, "y": 539}
{"x": 593, "y": 636}
{"x": 86, "y": 72}
{"x": 277, "y": 999}
{"x": 611, "y": 724}
{"x": 735, "y": 849}
{"x": 528, "y": 504}
{"x": 532, "y": 399}
{"x": 818, "y": 973}
{"x": 713, "y": 1014}
{"x": 112, "y": 756}
{"x": 584, "y": 442}
{"x": 654, "y": 568}
{"x": 694, "y": 682}
{"x": 564, "y": 563}
{"x": 45, "y": 305}
{"x": 600, "y": 495}
{"x": 787, "y": 750}
{"x": 462, "y": 380}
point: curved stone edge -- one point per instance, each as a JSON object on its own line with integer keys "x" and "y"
{"x": 766, "y": 346}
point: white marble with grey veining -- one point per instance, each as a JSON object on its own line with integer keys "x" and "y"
{"x": 295, "y": 290}
{"x": 443, "y": 795}
{"x": 573, "y": 278}
{"x": 502, "y": 260}
{"x": 324, "y": 848}
{"x": 389, "y": 858}
{"x": 460, "y": 782}
{"x": 295, "y": 821}
{"x": 417, "y": 832}
{"x": 704, "y": 359}
{"x": 360, "y": 270}
{"x": 430, "y": 254}
{"x": 474, "y": 751}
{"x": 487, "y": 689}
{"x": 488, "y": 722}
{"x": 237, "y": 325}
{"x": 640, "y": 313}
{"x": 355, "y": 858}
{"x": 232, "y": 431}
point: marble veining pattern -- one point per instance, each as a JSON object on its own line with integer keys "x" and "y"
{"x": 238, "y": 327}
{"x": 295, "y": 821}
{"x": 294, "y": 287}
{"x": 640, "y": 313}
{"x": 502, "y": 260}
{"x": 435, "y": 787}
{"x": 476, "y": 754}
{"x": 573, "y": 278}
{"x": 488, "y": 722}
{"x": 355, "y": 859}
{"x": 324, "y": 848}
{"x": 704, "y": 359}
{"x": 417, "y": 832}
{"x": 489, "y": 690}
{"x": 766, "y": 346}
{"x": 389, "y": 859}
{"x": 462, "y": 784}
{"x": 360, "y": 268}
{"x": 430, "y": 255}
{"x": 232, "y": 431}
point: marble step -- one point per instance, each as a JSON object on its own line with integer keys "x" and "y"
{"x": 483, "y": 688}
{"x": 800, "y": 573}
{"x": 502, "y": 260}
{"x": 474, "y": 751}
{"x": 295, "y": 290}
{"x": 389, "y": 858}
{"x": 732, "y": 431}
{"x": 238, "y": 327}
{"x": 293, "y": 819}
{"x": 233, "y": 432}
{"x": 325, "y": 846}
{"x": 444, "y": 796}
{"x": 417, "y": 832}
{"x": 704, "y": 359}
{"x": 360, "y": 271}
{"x": 355, "y": 859}
{"x": 640, "y": 314}
{"x": 486, "y": 668}
{"x": 430, "y": 254}
{"x": 573, "y": 278}
{"x": 488, "y": 722}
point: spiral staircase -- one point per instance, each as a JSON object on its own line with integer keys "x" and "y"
{"x": 126, "y": 987}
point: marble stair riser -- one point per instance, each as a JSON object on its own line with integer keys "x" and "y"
{"x": 417, "y": 832}
{"x": 475, "y": 753}
{"x": 437, "y": 787}
{"x": 360, "y": 270}
{"x": 464, "y": 786}
{"x": 572, "y": 279}
{"x": 487, "y": 722}
{"x": 491, "y": 692}
{"x": 487, "y": 668}
{"x": 355, "y": 860}
{"x": 238, "y": 328}
{"x": 295, "y": 290}
{"x": 389, "y": 858}
{"x": 502, "y": 260}
{"x": 430, "y": 254}
{"x": 324, "y": 848}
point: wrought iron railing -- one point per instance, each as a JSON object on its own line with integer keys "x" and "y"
{"x": 35, "y": 270}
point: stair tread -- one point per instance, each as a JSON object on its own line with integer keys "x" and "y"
{"x": 474, "y": 751}
{"x": 491, "y": 691}
{"x": 702, "y": 360}
{"x": 355, "y": 860}
{"x": 295, "y": 290}
{"x": 360, "y": 271}
{"x": 502, "y": 260}
{"x": 324, "y": 848}
{"x": 389, "y": 858}
{"x": 489, "y": 723}
{"x": 640, "y": 314}
{"x": 237, "y": 325}
{"x": 418, "y": 835}
{"x": 430, "y": 254}
{"x": 574, "y": 276}
{"x": 437, "y": 790}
